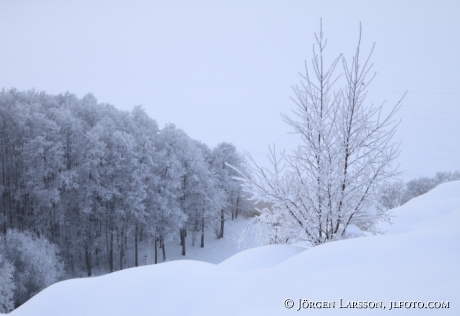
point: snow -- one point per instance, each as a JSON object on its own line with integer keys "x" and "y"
{"x": 417, "y": 260}
{"x": 214, "y": 251}
{"x": 260, "y": 257}
{"x": 422, "y": 210}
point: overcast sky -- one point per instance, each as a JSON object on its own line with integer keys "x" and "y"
{"x": 223, "y": 70}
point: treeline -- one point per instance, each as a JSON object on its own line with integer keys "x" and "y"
{"x": 394, "y": 194}
{"x": 96, "y": 181}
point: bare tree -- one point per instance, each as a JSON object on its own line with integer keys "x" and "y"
{"x": 325, "y": 189}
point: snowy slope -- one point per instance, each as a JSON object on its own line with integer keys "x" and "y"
{"x": 430, "y": 206}
{"x": 416, "y": 261}
{"x": 260, "y": 258}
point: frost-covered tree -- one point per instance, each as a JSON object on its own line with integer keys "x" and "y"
{"x": 442, "y": 177}
{"x": 417, "y": 187}
{"x": 7, "y": 286}
{"x": 325, "y": 189}
{"x": 224, "y": 157}
{"x": 391, "y": 195}
{"x": 212, "y": 198}
{"x": 196, "y": 184}
{"x": 35, "y": 260}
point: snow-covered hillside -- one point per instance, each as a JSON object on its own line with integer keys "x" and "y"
{"x": 417, "y": 260}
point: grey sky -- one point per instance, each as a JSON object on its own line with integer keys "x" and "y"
{"x": 223, "y": 70}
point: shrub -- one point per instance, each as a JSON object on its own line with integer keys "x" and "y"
{"x": 7, "y": 286}
{"x": 35, "y": 260}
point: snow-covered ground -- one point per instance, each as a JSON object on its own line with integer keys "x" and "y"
{"x": 417, "y": 260}
{"x": 214, "y": 251}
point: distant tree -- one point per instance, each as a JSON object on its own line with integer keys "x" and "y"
{"x": 422, "y": 185}
{"x": 191, "y": 176}
{"x": 418, "y": 187}
{"x": 211, "y": 199}
{"x": 442, "y": 177}
{"x": 224, "y": 159}
{"x": 391, "y": 195}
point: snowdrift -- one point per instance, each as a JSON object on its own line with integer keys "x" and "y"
{"x": 416, "y": 261}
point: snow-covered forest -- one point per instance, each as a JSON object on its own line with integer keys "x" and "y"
{"x": 82, "y": 184}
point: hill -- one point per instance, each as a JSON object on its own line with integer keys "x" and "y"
{"x": 414, "y": 265}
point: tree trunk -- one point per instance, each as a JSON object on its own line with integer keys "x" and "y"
{"x": 156, "y": 250}
{"x": 194, "y": 231}
{"x": 202, "y": 232}
{"x": 107, "y": 247}
{"x": 233, "y": 210}
{"x": 111, "y": 253}
{"x": 121, "y": 250}
{"x": 222, "y": 221}
{"x": 125, "y": 249}
{"x": 97, "y": 256}
{"x": 162, "y": 245}
{"x": 136, "y": 251}
{"x": 5, "y": 221}
{"x": 88, "y": 261}
{"x": 183, "y": 240}
{"x": 237, "y": 205}
{"x": 121, "y": 256}
{"x": 5, "y": 218}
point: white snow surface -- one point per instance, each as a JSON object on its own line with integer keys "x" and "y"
{"x": 260, "y": 257}
{"x": 417, "y": 260}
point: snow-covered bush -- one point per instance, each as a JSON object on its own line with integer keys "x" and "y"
{"x": 7, "y": 286}
{"x": 392, "y": 195}
{"x": 418, "y": 187}
{"x": 35, "y": 260}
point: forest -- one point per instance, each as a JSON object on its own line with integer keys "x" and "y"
{"x": 82, "y": 184}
